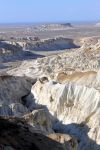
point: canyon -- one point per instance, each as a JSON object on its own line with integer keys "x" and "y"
{"x": 50, "y": 100}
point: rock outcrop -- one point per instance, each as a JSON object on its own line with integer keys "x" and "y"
{"x": 14, "y": 51}
{"x": 86, "y": 58}
{"x": 54, "y": 44}
{"x": 97, "y": 25}
{"x": 15, "y": 134}
{"x": 40, "y": 120}
{"x": 46, "y": 27}
{"x": 72, "y": 103}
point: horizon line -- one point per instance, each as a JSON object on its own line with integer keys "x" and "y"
{"x": 48, "y": 22}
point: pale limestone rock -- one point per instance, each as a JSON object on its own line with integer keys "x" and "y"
{"x": 71, "y": 103}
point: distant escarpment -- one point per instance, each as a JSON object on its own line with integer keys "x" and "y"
{"x": 13, "y": 52}
{"x": 97, "y": 25}
{"x": 62, "y": 26}
{"x": 58, "y": 43}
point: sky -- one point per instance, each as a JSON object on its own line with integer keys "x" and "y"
{"x": 39, "y": 11}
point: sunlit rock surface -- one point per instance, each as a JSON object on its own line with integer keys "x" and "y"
{"x": 71, "y": 103}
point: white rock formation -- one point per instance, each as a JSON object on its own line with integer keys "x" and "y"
{"x": 72, "y": 103}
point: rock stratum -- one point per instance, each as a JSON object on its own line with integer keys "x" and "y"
{"x": 14, "y": 52}
{"x": 53, "y": 102}
{"x": 58, "y": 43}
{"x": 52, "y": 27}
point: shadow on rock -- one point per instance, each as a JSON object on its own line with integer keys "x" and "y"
{"x": 15, "y": 135}
{"x": 81, "y": 132}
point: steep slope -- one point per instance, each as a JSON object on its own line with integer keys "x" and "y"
{"x": 54, "y": 44}
{"x": 72, "y": 103}
{"x": 14, "y": 52}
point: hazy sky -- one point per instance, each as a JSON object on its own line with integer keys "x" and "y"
{"x": 49, "y": 10}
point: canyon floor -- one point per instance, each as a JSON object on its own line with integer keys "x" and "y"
{"x": 50, "y": 87}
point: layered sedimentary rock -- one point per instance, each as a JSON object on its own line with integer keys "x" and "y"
{"x": 14, "y": 51}
{"x": 7, "y": 51}
{"x": 13, "y": 102}
{"x": 45, "y": 27}
{"x": 54, "y": 44}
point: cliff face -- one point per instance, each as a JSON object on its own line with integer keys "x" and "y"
{"x": 46, "y": 27}
{"x": 24, "y": 124}
{"x": 13, "y": 51}
{"x": 71, "y": 103}
{"x": 54, "y": 44}
{"x": 9, "y": 51}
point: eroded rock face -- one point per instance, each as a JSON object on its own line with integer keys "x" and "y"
{"x": 14, "y": 101}
{"x": 8, "y": 51}
{"x": 71, "y": 103}
{"x": 86, "y": 58}
{"x": 58, "y": 43}
{"x": 12, "y": 51}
